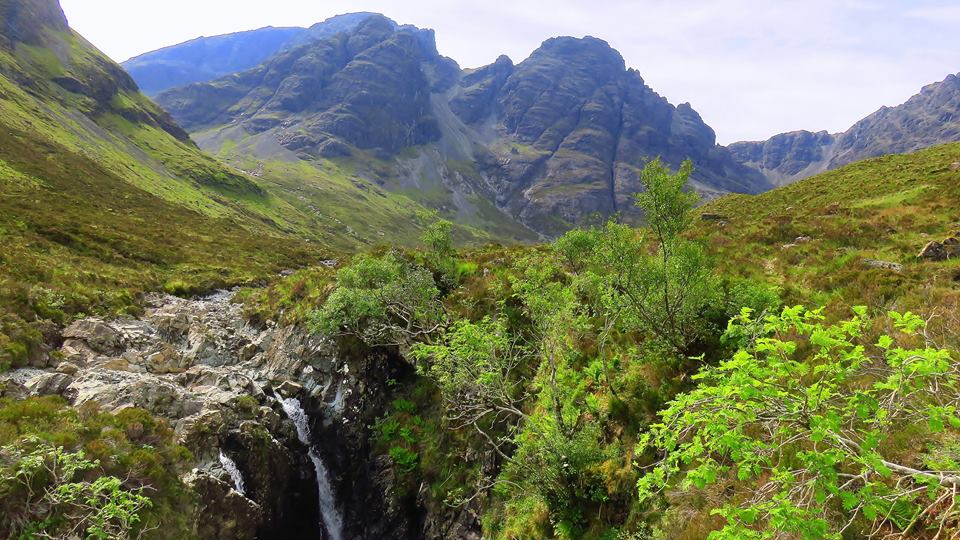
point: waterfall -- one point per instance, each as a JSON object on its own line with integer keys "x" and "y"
{"x": 234, "y": 472}
{"x": 332, "y": 520}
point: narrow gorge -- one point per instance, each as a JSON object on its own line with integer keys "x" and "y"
{"x": 276, "y": 419}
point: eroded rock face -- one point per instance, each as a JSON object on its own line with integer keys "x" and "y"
{"x": 366, "y": 88}
{"x": 553, "y": 141}
{"x": 926, "y": 119}
{"x": 576, "y": 127}
{"x": 787, "y": 157}
{"x": 217, "y": 380}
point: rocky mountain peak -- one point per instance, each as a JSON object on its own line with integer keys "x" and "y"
{"x": 551, "y": 140}
{"x": 340, "y": 23}
{"x": 583, "y": 49}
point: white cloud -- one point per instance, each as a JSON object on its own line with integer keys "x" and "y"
{"x": 752, "y": 68}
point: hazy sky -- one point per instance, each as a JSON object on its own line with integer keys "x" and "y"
{"x": 752, "y": 68}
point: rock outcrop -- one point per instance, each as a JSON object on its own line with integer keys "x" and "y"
{"x": 941, "y": 251}
{"x": 555, "y": 141}
{"x": 787, "y": 157}
{"x": 365, "y": 88}
{"x": 926, "y": 119}
{"x": 218, "y": 379}
{"x": 207, "y": 58}
{"x": 576, "y": 127}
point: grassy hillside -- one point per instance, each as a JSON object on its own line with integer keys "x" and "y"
{"x": 590, "y": 379}
{"x": 820, "y": 239}
{"x": 102, "y": 197}
{"x": 365, "y": 199}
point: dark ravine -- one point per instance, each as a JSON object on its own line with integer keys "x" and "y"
{"x": 219, "y": 380}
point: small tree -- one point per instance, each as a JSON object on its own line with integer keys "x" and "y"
{"x": 477, "y": 369}
{"x": 803, "y": 414}
{"x": 441, "y": 255}
{"x": 384, "y": 300}
{"x": 663, "y": 288}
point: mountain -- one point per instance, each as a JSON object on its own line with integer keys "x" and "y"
{"x": 207, "y": 58}
{"x": 551, "y": 142}
{"x": 574, "y": 127}
{"x": 928, "y": 118}
{"x": 104, "y": 196}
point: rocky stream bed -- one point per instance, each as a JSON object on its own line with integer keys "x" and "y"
{"x": 277, "y": 419}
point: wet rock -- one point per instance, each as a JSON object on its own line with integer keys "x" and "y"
{"x": 224, "y": 514}
{"x": 289, "y": 389}
{"x": 197, "y": 363}
{"x": 49, "y": 384}
{"x": 100, "y": 336}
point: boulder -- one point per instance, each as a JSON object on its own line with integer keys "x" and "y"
{"x": 885, "y": 265}
{"x": 941, "y": 251}
{"x": 224, "y": 514}
{"x": 100, "y": 336}
{"x": 49, "y": 384}
{"x": 289, "y": 389}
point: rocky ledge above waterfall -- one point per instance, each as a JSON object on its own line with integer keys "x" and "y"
{"x": 218, "y": 380}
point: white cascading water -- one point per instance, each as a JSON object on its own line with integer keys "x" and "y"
{"x": 234, "y": 472}
{"x": 332, "y": 520}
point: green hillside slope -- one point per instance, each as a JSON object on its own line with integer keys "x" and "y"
{"x": 103, "y": 196}
{"x": 590, "y": 380}
{"x": 832, "y": 236}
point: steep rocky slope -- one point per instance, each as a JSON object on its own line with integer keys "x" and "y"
{"x": 226, "y": 386}
{"x": 207, "y": 58}
{"x": 550, "y": 142}
{"x": 575, "y": 127}
{"x": 928, "y": 118}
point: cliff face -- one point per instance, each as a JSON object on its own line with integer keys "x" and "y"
{"x": 553, "y": 142}
{"x": 207, "y": 58}
{"x": 364, "y": 88}
{"x": 575, "y": 129}
{"x": 788, "y": 156}
{"x": 926, "y": 119}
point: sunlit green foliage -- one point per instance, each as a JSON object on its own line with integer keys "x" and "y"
{"x": 802, "y": 416}
{"x": 386, "y": 300}
{"x": 47, "y": 496}
{"x": 65, "y": 467}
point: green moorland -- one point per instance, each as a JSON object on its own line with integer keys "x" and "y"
{"x": 611, "y": 385}
{"x": 100, "y": 200}
{"x": 103, "y": 198}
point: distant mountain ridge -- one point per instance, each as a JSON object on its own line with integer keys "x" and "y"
{"x": 206, "y": 58}
{"x": 926, "y": 119}
{"x": 554, "y": 141}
